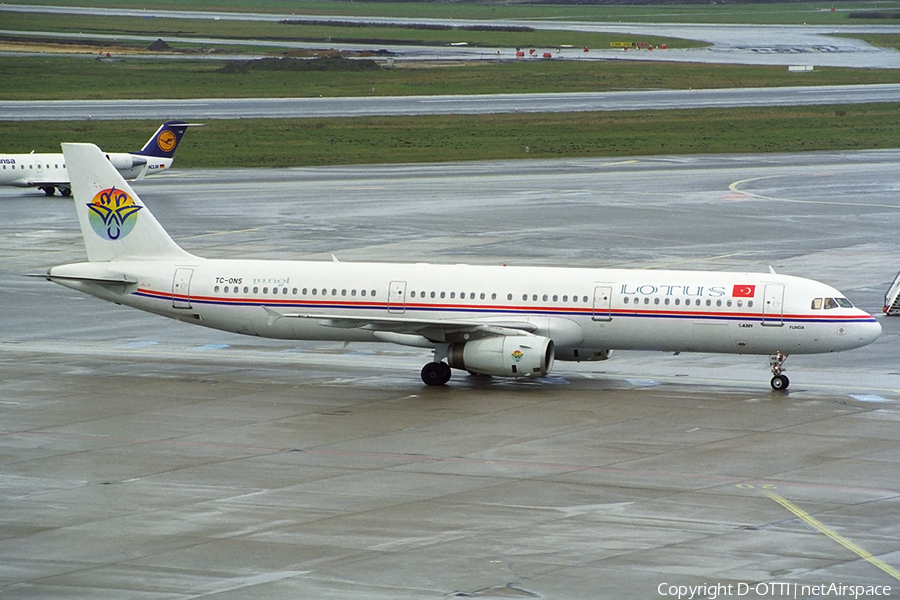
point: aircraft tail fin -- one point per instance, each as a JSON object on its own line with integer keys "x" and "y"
{"x": 114, "y": 222}
{"x": 166, "y": 139}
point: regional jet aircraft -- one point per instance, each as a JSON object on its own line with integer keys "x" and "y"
{"x": 501, "y": 321}
{"x": 47, "y": 172}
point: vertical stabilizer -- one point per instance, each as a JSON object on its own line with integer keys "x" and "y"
{"x": 166, "y": 139}
{"x": 114, "y": 222}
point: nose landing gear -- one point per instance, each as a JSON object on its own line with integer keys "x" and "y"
{"x": 779, "y": 382}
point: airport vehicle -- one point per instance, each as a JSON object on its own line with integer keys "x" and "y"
{"x": 48, "y": 172}
{"x": 502, "y": 321}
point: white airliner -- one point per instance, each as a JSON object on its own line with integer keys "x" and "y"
{"x": 47, "y": 172}
{"x": 503, "y": 321}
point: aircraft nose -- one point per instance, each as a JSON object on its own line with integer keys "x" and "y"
{"x": 873, "y": 331}
{"x": 868, "y": 331}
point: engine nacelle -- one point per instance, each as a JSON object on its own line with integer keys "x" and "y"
{"x": 123, "y": 161}
{"x": 504, "y": 356}
{"x": 582, "y": 354}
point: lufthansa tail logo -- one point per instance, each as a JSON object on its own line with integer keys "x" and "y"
{"x": 166, "y": 141}
{"x": 112, "y": 214}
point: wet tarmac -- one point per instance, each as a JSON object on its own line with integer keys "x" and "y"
{"x": 144, "y": 458}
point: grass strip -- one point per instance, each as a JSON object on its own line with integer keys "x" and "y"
{"x": 343, "y": 141}
{"x": 85, "y": 78}
{"x": 319, "y": 32}
{"x": 806, "y": 13}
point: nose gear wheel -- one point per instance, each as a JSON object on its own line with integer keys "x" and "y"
{"x": 779, "y": 382}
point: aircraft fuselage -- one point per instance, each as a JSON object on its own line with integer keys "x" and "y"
{"x": 579, "y": 309}
{"x": 39, "y": 170}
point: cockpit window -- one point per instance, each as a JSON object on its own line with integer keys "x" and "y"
{"x": 829, "y": 303}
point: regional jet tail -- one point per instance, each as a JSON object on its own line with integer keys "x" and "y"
{"x": 501, "y": 321}
{"x": 48, "y": 172}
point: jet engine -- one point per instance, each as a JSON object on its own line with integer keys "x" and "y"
{"x": 505, "y": 356}
{"x": 582, "y": 354}
{"x": 122, "y": 161}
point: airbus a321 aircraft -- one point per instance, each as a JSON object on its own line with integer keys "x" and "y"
{"x": 47, "y": 172}
{"x": 502, "y": 321}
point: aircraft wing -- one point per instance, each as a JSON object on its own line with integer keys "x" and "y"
{"x": 37, "y": 182}
{"x": 413, "y": 331}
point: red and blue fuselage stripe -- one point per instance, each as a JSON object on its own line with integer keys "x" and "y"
{"x": 481, "y": 309}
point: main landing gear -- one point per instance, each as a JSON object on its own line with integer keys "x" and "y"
{"x": 436, "y": 373}
{"x": 49, "y": 190}
{"x": 779, "y": 382}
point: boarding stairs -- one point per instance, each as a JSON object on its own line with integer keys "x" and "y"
{"x": 892, "y": 298}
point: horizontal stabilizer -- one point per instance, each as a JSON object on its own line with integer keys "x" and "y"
{"x": 113, "y": 280}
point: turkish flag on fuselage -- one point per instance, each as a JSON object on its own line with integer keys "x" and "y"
{"x": 743, "y": 291}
